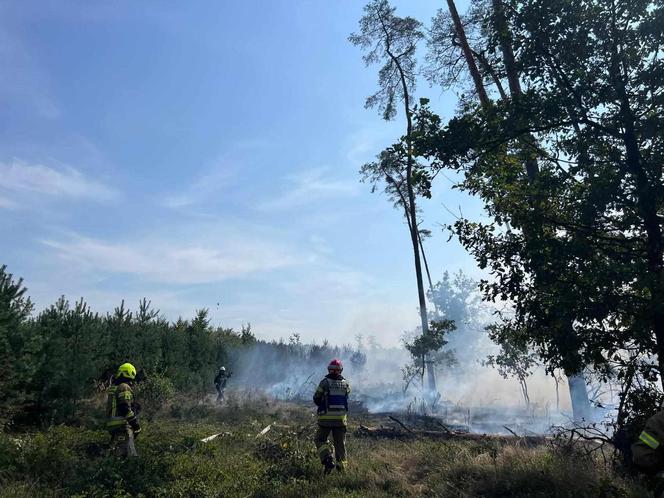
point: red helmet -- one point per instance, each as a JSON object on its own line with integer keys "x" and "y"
{"x": 335, "y": 365}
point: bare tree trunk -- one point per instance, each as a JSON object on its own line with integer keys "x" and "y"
{"x": 524, "y": 390}
{"x": 505, "y": 40}
{"x": 468, "y": 55}
{"x": 578, "y": 393}
{"x": 426, "y": 264}
{"x": 500, "y": 23}
{"x": 491, "y": 72}
{"x": 431, "y": 370}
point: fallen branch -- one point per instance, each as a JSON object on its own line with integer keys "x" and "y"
{"x": 399, "y": 422}
{"x": 384, "y": 432}
{"x": 214, "y": 436}
{"x": 511, "y": 431}
{"x": 264, "y": 431}
{"x": 305, "y": 428}
{"x": 447, "y": 429}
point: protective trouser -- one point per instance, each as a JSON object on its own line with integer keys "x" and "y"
{"x": 220, "y": 392}
{"x": 323, "y": 445}
{"x": 122, "y": 443}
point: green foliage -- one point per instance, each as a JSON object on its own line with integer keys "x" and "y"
{"x": 154, "y": 392}
{"x": 246, "y": 335}
{"x": 432, "y": 340}
{"x": 389, "y": 40}
{"x": 56, "y": 360}
{"x": 16, "y": 345}
{"x": 568, "y": 166}
{"x": 68, "y": 357}
{"x": 428, "y": 345}
{"x": 67, "y": 461}
{"x": 456, "y": 298}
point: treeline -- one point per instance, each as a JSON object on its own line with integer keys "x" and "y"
{"x": 52, "y": 361}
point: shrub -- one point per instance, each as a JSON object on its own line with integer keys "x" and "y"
{"x": 155, "y": 392}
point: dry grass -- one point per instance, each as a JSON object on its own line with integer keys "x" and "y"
{"x": 69, "y": 461}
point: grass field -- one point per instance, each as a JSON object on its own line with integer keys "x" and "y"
{"x": 172, "y": 462}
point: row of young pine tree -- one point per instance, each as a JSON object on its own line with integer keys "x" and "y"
{"x": 55, "y": 360}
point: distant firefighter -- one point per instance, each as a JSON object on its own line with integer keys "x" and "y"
{"x": 220, "y": 382}
{"x": 121, "y": 412}
{"x": 331, "y": 398}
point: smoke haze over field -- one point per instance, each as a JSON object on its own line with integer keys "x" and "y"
{"x": 292, "y": 371}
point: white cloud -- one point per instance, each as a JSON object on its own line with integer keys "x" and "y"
{"x": 200, "y": 189}
{"x": 174, "y": 260}
{"x": 367, "y": 141}
{"x": 20, "y": 178}
{"x": 309, "y": 187}
{"x": 362, "y": 149}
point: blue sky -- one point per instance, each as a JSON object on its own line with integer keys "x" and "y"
{"x": 207, "y": 152}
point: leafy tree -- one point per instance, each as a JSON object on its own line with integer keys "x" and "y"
{"x": 423, "y": 345}
{"x": 456, "y": 298}
{"x": 575, "y": 241}
{"x": 146, "y": 327}
{"x": 515, "y": 361}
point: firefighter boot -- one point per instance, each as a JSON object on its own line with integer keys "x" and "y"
{"x": 328, "y": 464}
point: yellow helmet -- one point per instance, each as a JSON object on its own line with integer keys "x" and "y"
{"x": 126, "y": 370}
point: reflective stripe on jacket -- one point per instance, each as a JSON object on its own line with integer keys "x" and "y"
{"x": 331, "y": 397}
{"x": 119, "y": 410}
{"x": 647, "y": 451}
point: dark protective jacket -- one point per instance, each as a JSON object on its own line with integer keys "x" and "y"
{"x": 221, "y": 379}
{"x": 648, "y": 451}
{"x": 331, "y": 398}
{"x": 120, "y": 411}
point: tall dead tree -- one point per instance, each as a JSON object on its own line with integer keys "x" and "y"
{"x": 392, "y": 41}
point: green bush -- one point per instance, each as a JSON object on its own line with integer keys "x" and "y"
{"x": 154, "y": 392}
{"x": 173, "y": 462}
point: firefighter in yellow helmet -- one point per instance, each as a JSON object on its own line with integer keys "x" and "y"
{"x": 121, "y": 411}
{"x": 331, "y": 398}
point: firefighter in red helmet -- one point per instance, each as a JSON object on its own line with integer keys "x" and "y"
{"x": 331, "y": 398}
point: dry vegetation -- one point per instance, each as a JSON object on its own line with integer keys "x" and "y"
{"x": 72, "y": 461}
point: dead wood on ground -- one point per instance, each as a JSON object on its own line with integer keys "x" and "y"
{"x": 394, "y": 433}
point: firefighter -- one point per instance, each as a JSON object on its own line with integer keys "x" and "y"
{"x": 331, "y": 398}
{"x": 648, "y": 451}
{"x": 220, "y": 383}
{"x": 121, "y": 412}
